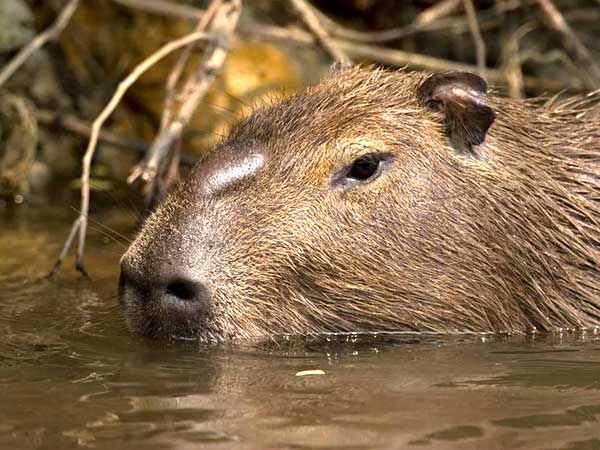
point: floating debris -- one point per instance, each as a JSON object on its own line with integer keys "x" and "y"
{"x": 304, "y": 373}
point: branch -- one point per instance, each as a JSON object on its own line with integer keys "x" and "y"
{"x": 572, "y": 43}
{"x": 311, "y": 19}
{"x": 512, "y": 60}
{"x": 80, "y": 224}
{"x": 395, "y": 57}
{"x": 165, "y": 8}
{"x": 39, "y": 41}
{"x": 177, "y": 70}
{"x": 476, "y": 34}
{"x": 78, "y": 127}
{"x": 430, "y": 20}
{"x": 436, "y": 11}
{"x": 166, "y": 118}
{"x": 222, "y": 28}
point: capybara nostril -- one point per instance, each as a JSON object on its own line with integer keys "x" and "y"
{"x": 180, "y": 289}
{"x": 162, "y": 289}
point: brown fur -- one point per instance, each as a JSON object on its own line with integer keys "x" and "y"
{"x": 438, "y": 242}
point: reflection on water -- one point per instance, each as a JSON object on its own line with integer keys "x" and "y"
{"x": 71, "y": 376}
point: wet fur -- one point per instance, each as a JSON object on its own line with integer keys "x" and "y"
{"x": 439, "y": 242}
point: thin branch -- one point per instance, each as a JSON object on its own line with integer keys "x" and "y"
{"x": 398, "y": 58}
{"x": 572, "y": 44}
{"x": 80, "y": 223}
{"x": 391, "y": 34}
{"x": 476, "y": 34}
{"x": 40, "y": 40}
{"x": 426, "y": 25}
{"x": 512, "y": 61}
{"x": 441, "y": 9}
{"x": 165, "y": 8}
{"x": 78, "y": 127}
{"x": 514, "y": 73}
{"x": 222, "y": 28}
{"x": 177, "y": 70}
{"x": 311, "y": 19}
{"x": 429, "y": 20}
{"x": 168, "y": 111}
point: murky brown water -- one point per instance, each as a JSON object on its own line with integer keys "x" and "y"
{"x": 71, "y": 376}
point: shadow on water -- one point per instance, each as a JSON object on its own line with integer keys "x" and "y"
{"x": 71, "y": 376}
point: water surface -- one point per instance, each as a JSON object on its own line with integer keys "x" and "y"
{"x": 71, "y": 376}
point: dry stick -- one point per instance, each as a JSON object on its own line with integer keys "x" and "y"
{"x": 391, "y": 34}
{"x": 476, "y": 33}
{"x": 395, "y": 57}
{"x": 177, "y": 70}
{"x": 78, "y": 127}
{"x": 171, "y": 85}
{"x": 168, "y": 108}
{"x": 80, "y": 223}
{"x": 165, "y": 8}
{"x": 50, "y": 33}
{"x": 428, "y": 23}
{"x": 511, "y": 52}
{"x": 313, "y": 23}
{"x": 222, "y": 28}
{"x": 437, "y": 11}
{"x": 572, "y": 43}
{"x": 424, "y": 25}
{"x": 514, "y": 73}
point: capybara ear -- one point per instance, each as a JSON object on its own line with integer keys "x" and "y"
{"x": 461, "y": 98}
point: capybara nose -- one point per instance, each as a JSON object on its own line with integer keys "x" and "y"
{"x": 173, "y": 291}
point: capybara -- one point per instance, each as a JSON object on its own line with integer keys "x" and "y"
{"x": 380, "y": 201}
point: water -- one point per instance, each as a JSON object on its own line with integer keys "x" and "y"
{"x": 71, "y": 376}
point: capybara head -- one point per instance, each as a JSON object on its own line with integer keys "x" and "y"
{"x": 379, "y": 201}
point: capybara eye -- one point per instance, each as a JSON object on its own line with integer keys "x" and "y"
{"x": 364, "y": 167}
{"x": 363, "y": 170}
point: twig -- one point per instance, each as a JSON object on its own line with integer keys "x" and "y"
{"x": 165, "y": 8}
{"x": 306, "y": 11}
{"x": 395, "y": 57}
{"x": 433, "y": 23}
{"x": 177, "y": 70}
{"x": 391, "y": 34}
{"x": 437, "y": 11}
{"x": 222, "y": 28}
{"x": 512, "y": 58}
{"x": 149, "y": 189}
{"x": 572, "y": 43}
{"x": 81, "y": 128}
{"x": 50, "y": 33}
{"x": 80, "y": 223}
{"x": 514, "y": 73}
{"x": 476, "y": 34}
